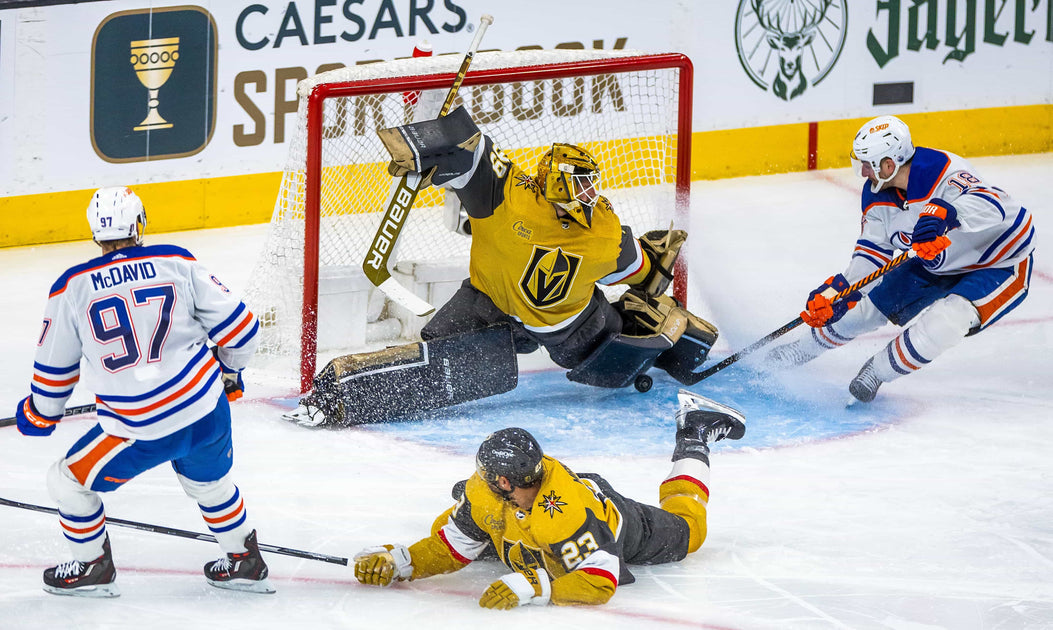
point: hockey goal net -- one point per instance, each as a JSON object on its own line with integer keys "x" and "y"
{"x": 631, "y": 111}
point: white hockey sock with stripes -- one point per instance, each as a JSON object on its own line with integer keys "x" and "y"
{"x": 939, "y": 328}
{"x": 81, "y": 513}
{"x": 223, "y": 510}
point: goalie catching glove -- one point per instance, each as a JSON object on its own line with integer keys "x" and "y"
{"x": 440, "y": 149}
{"x": 518, "y": 589}
{"x": 382, "y": 565}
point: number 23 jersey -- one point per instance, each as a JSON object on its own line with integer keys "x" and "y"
{"x": 140, "y": 317}
{"x": 571, "y": 531}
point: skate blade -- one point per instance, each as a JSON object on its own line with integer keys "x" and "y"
{"x": 98, "y": 590}
{"x": 690, "y": 401}
{"x": 248, "y": 586}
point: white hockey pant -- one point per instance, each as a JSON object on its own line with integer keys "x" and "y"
{"x": 222, "y": 508}
{"x": 937, "y": 329}
{"x": 81, "y": 513}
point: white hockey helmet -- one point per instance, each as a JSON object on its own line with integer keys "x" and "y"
{"x": 116, "y": 213}
{"x": 880, "y": 138}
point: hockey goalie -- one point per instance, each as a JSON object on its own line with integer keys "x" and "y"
{"x": 541, "y": 243}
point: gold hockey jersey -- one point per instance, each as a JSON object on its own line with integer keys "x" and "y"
{"x": 534, "y": 266}
{"x": 571, "y": 532}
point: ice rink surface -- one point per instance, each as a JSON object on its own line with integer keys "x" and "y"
{"x": 930, "y": 508}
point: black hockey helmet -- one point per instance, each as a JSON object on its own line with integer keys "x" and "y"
{"x": 512, "y": 453}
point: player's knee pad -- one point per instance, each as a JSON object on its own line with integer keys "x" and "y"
{"x": 68, "y": 493}
{"x": 945, "y": 323}
{"x": 208, "y": 493}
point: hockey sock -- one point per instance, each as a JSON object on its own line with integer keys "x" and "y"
{"x": 939, "y": 328}
{"x": 223, "y": 510}
{"x": 81, "y": 513}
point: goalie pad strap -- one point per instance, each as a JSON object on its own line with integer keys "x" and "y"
{"x": 399, "y": 381}
{"x": 663, "y": 248}
{"x": 445, "y": 143}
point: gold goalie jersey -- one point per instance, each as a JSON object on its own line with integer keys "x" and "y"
{"x": 534, "y": 266}
{"x": 572, "y": 532}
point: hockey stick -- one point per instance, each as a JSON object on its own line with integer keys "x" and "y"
{"x": 401, "y": 197}
{"x": 160, "y": 529}
{"x": 70, "y": 411}
{"x": 785, "y": 328}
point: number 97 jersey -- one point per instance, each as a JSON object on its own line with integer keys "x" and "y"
{"x": 141, "y": 317}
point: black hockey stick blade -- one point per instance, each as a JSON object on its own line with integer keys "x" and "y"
{"x": 182, "y": 533}
{"x": 70, "y": 411}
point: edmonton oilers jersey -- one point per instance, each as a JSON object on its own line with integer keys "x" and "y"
{"x": 141, "y": 317}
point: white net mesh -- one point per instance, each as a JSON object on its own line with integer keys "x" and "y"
{"x": 626, "y": 119}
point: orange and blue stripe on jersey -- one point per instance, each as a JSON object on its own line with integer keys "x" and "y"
{"x": 237, "y": 330}
{"x": 54, "y": 382}
{"x": 873, "y": 253}
{"x": 122, "y": 257}
{"x": 1009, "y": 244}
{"x": 192, "y": 383}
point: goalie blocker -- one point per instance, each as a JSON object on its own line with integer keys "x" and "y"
{"x": 398, "y": 381}
{"x": 656, "y": 332}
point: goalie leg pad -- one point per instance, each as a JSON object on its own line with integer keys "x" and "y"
{"x": 650, "y": 327}
{"x": 446, "y": 143}
{"x": 690, "y": 351}
{"x": 398, "y": 381}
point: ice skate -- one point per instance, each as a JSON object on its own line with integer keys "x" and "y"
{"x": 306, "y": 414}
{"x": 241, "y": 571}
{"x": 865, "y": 385}
{"x": 84, "y": 579}
{"x": 792, "y": 354}
{"x": 700, "y": 421}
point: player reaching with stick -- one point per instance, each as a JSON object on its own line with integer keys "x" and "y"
{"x": 974, "y": 247}
{"x": 566, "y": 537}
{"x": 140, "y": 317}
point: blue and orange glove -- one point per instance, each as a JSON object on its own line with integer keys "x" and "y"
{"x": 929, "y": 236}
{"x": 820, "y": 311}
{"x": 31, "y": 422}
{"x": 233, "y": 386}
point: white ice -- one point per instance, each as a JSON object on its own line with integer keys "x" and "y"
{"x": 939, "y": 516}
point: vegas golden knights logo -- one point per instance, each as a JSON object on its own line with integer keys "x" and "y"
{"x": 549, "y": 276}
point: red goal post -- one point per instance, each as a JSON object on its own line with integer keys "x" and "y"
{"x": 318, "y": 179}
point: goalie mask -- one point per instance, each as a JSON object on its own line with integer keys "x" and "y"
{"x": 570, "y": 179}
{"x": 511, "y": 453}
{"x": 880, "y": 138}
{"x": 116, "y": 213}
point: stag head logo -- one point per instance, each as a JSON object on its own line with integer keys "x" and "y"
{"x": 787, "y": 45}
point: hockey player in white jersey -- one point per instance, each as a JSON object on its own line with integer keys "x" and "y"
{"x": 141, "y": 318}
{"x": 974, "y": 247}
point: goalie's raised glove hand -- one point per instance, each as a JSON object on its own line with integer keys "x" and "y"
{"x": 382, "y": 565}
{"x": 30, "y": 422}
{"x": 518, "y": 589}
{"x": 929, "y": 236}
{"x": 820, "y": 311}
{"x": 233, "y": 386}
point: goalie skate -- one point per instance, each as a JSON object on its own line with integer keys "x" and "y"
{"x": 306, "y": 414}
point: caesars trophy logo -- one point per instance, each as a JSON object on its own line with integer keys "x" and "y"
{"x": 153, "y": 60}
{"x": 788, "y": 44}
{"x": 169, "y": 51}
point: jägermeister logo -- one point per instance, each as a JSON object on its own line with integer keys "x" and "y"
{"x": 787, "y": 45}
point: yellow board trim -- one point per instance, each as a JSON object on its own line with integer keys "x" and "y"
{"x": 247, "y": 199}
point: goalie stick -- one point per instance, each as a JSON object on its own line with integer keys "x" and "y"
{"x": 70, "y": 411}
{"x": 785, "y": 328}
{"x": 182, "y": 533}
{"x": 400, "y": 199}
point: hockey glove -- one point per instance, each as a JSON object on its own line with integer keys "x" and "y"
{"x": 518, "y": 589}
{"x": 929, "y": 236}
{"x": 30, "y": 422}
{"x": 233, "y": 386}
{"x": 820, "y": 311}
{"x": 382, "y": 565}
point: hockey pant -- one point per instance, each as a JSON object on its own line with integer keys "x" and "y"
{"x": 201, "y": 455}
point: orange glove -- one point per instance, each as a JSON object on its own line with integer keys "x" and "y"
{"x": 820, "y": 311}
{"x": 931, "y": 249}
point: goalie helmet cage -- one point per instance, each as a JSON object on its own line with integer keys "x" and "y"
{"x": 631, "y": 110}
